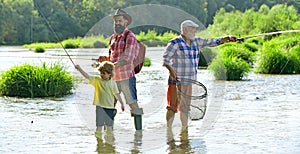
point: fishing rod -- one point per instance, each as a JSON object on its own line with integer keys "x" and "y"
{"x": 52, "y": 30}
{"x": 242, "y": 39}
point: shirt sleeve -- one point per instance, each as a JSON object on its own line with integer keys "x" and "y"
{"x": 92, "y": 80}
{"x": 114, "y": 87}
{"x": 169, "y": 53}
{"x": 204, "y": 42}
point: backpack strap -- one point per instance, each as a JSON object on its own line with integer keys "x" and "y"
{"x": 109, "y": 51}
{"x": 126, "y": 34}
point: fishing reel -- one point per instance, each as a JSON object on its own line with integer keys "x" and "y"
{"x": 95, "y": 64}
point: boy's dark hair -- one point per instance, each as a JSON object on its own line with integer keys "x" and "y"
{"x": 107, "y": 66}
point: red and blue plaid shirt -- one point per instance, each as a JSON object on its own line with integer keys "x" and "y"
{"x": 117, "y": 46}
{"x": 184, "y": 58}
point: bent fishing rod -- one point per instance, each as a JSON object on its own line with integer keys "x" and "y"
{"x": 242, "y": 39}
{"x": 52, "y": 30}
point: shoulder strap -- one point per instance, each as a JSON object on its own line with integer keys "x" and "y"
{"x": 109, "y": 51}
{"x": 126, "y": 34}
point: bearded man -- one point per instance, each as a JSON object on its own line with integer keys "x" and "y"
{"x": 123, "y": 50}
{"x": 181, "y": 58}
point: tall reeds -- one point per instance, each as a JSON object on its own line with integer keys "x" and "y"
{"x": 233, "y": 62}
{"x": 47, "y": 80}
{"x": 280, "y": 55}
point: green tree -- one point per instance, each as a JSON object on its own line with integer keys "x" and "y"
{"x": 226, "y": 23}
{"x": 56, "y": 18}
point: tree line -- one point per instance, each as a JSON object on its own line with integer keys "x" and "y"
{"x": 23, "y": 21}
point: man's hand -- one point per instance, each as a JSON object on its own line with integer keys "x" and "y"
{"x": 228, "y": 39}
{"x": 173, "y": 74}
{"x": 103, "y": 58}
{"x": 120, "y": 63}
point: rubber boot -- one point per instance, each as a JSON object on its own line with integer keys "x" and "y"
{"x": 137, "y": 115}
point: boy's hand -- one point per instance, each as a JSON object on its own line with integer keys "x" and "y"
{"x": 77, "y": 67}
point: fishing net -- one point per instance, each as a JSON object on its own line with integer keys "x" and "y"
{"x": 192, "y": 93}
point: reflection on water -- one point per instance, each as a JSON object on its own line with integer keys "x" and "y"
{"x": 185, "y": 144}
{"x": 106, "y": 145}
{"x": 137, "y": 142}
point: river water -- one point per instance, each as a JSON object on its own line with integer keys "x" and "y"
{"x": 257, "y": 115}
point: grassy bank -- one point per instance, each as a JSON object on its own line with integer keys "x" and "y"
{"x": 150, "y": 39}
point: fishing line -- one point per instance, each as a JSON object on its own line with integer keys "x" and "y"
{"x": 52, "y": 30}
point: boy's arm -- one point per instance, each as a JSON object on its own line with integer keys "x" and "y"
{"x": 82, "y": 72}
{"x": 121, "y": 101}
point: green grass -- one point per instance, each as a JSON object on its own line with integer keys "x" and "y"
{"x": 232, "y": 63}
{"x": 42, "y": 44}
{"x": 39, "y": 49}
{"x": 237, "y": 50}
{"x": 94, "y": 42}
{"x": 229, "y": 68}
{"x": 280, "y": 56}
{"x": 151, "y": 39}
{"x": 147, "y": 62}
{"x": 47, "y": 80}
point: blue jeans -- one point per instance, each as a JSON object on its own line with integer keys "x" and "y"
{"x": 128, "y": 88}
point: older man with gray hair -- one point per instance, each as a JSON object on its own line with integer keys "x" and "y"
{"x": 181, "y": 58}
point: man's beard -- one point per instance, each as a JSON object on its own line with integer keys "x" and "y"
{"x": 191, "y": 36}
{"x": 119, "y": 28}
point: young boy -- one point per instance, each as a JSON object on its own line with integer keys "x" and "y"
{"x": 105, "y": 92}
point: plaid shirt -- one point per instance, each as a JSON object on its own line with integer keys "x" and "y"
{"x": 184, "y": 58}
{"x": 117, "y": 45}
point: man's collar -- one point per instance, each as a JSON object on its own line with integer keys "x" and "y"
{"x": 185, "y": 39}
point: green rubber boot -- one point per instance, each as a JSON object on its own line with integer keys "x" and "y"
{"x": 137, "y": 115}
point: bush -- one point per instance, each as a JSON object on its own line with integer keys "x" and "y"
{"x": 150, "y": 35}
{"x": 154, "y": 43}
{"x": 229, "y": 68}
{"x": 280, "y": 56}
{"x": 36, "y": 81}
{"x": 238, "y": 51}
{"x": 232, "y": 63}
{"x": 39, "y": 49}
{"x": 70, "y": 46}
{"x": 152, "y": 39}
{"x": 255, "y": 40}
{"x": 72, "y": 43}
{"x": 295, "y": 56}
{"x": 273, "y": 61}
{"x": 251, "y": 47}
{"x": 46, "y": 45}
{"x": 94, "y": 42}
{"x": 147, "y": 62}
{"x": 98, "y": 44}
